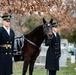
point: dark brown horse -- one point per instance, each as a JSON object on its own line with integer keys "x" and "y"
{"x": 32, "y": 43}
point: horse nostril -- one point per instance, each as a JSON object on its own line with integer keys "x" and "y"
{"x": 49, "y": 34}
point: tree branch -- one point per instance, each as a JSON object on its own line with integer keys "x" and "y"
{"x": 8, "y": 2}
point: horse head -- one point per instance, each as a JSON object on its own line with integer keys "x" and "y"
{"x": 47, "y": 28}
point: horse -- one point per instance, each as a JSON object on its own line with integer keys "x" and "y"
{"x": 32, "y": 43}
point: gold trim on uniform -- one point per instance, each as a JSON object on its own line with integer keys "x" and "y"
{"x": 7, "y": 46}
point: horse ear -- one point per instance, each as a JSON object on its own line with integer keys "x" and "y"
{"x": 51, "y": 21}
{"x": 44, "y": 21}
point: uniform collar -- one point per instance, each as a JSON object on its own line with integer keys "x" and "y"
{"x": 55, "y": 33}
{"x": 8, "y": 30}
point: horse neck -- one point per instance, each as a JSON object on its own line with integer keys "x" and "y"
{"x": 36, "y": 36}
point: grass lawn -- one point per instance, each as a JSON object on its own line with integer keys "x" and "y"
{"x": 63, "y": 71}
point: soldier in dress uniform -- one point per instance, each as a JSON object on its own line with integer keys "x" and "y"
{"x": 6, "y": 46}
{"x": 54, "y": 51}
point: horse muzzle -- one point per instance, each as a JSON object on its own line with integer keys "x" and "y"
{"x": 50, "y": 35}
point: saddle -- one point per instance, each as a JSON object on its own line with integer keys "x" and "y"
{"x": 17, "y": 53}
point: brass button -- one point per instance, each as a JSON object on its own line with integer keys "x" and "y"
{"x": 6, "y": 47}
{"x": 55, "y": 43}
{"x": 55, "y": 48}
{"x": 10, "y": 53}
{"x": 10, "y": 47}
{"x": 56, "y": 52}
{"x": 6, "y": 53}
{"x": 10, "y": 42}
{"x": 7, "y": 42}
{"x": 58, "y": 48}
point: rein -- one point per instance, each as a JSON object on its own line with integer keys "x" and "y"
{"x": 31, "y": 42}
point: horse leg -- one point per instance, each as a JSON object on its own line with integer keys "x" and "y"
{"x": 31, "y": 66}
{"x": 24, "y": 69}
{"x": 25, "y": 66}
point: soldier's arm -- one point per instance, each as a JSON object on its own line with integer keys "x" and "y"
{"x": 60, "y": 49}
{"x": 13, "y": 43}
{"x": 0, "y": 35}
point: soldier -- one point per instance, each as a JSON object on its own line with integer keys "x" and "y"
{"x": 6, "y": 46}
{"x": 54, "y": 51}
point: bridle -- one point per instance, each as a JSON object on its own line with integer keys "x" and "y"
{"x": 49, "y": 33}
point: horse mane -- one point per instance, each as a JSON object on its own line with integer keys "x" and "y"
{"x": 35, "y": 30}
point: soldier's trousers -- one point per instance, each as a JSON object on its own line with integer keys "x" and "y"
{"x": 52, "y": 72}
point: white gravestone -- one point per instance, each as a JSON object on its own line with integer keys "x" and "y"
{"x": 40, "y": 62}
{"x": 72, "y": 50}
{"x": 64, "y": 53}
{"x": 72, "y": 58}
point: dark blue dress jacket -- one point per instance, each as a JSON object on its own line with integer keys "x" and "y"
{"x": 6, "y": 52}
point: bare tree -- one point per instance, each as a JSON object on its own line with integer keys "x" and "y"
{"x": 64, "y": 11}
